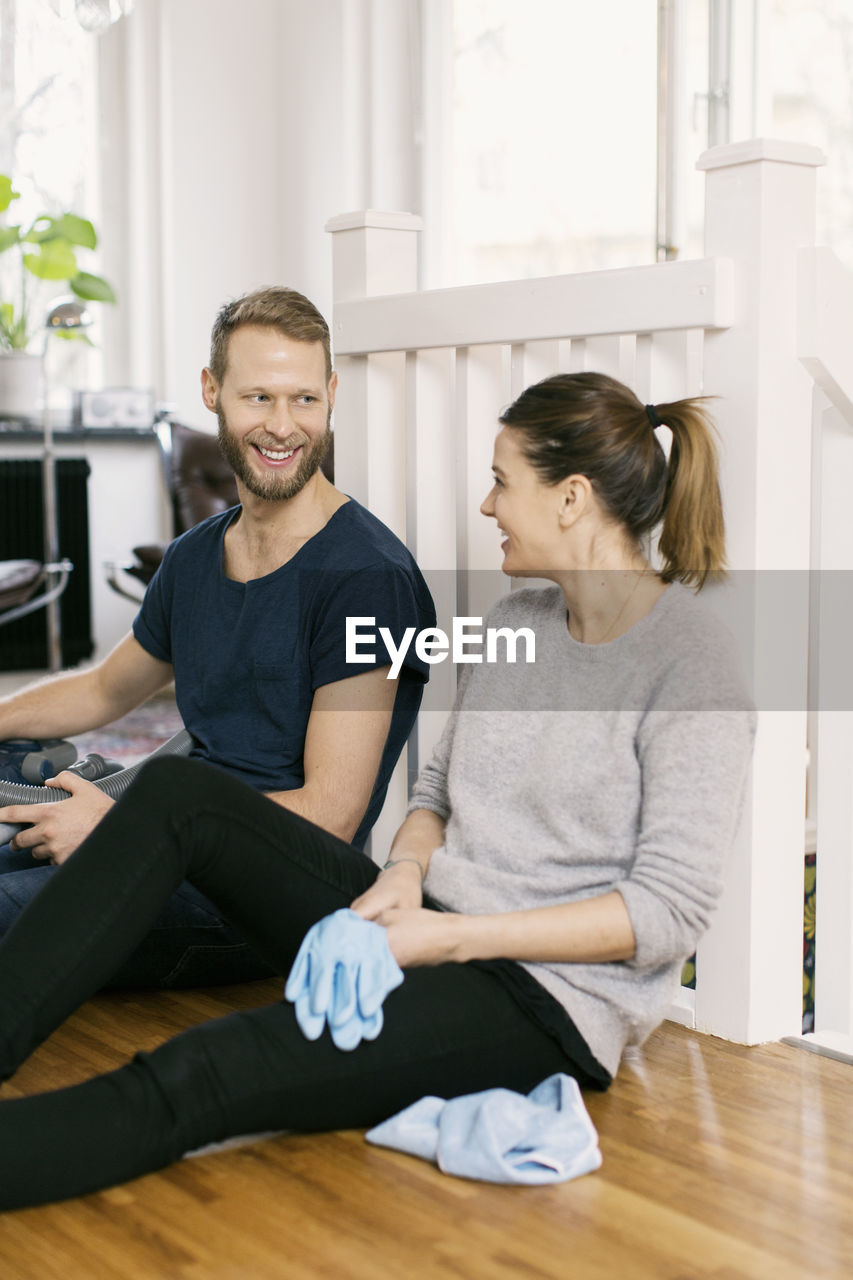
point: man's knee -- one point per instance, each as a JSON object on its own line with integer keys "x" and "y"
{"x": 169, "y": 777}
{"x": 17, "y": 890}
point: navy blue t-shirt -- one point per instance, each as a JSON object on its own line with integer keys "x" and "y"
{"x": 248, "y": 656}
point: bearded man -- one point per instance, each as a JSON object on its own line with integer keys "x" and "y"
{"x": 247, "y": 614}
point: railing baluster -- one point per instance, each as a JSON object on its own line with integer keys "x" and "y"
{"x": 832, "y": 743}
{"x": 577, "y": 356}
{"x": 612, "y": 354}
{"x": 533, "y": 361}
{"x": 670, "y": 365}
{"x": 479, "y": 399}
{"x": 431, "y": 514}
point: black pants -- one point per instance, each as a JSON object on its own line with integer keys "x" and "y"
{"x": 449, "y": 1030}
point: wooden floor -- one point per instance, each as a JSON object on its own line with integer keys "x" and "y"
{"x": 719, "y": 1161}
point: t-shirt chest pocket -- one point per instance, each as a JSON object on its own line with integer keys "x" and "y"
{"x": 282, "y": 697}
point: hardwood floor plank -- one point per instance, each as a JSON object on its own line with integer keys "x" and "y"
{"x": 720, "y": 1163}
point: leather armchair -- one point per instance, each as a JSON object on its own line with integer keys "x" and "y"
{"x": 21, "y": 579}
{"x": 200, "y": 484}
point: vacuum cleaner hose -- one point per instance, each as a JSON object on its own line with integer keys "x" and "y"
{"x": 113, "y": 785}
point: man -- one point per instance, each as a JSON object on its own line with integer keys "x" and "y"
{"x": 247, "y": 614}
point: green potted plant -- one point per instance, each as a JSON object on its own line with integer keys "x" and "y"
{"x": 44, "y": 251}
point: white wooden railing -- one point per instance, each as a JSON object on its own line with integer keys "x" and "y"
{"x": 825, "y": 342}
{"x": 423, "y": 378}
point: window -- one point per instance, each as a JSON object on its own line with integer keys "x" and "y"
{"x": 48, "y": 118}
{"x": 48, "y": 147}
{"x": 811, "y": 71}
{"x": 551, "y": 140}
{"x": 549, "y": 143}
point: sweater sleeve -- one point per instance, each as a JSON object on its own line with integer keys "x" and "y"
{"x": 431, "y": 789}
{"x": 694, "y": 759}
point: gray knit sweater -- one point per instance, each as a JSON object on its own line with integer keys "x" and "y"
{"x": 598, "y": 767}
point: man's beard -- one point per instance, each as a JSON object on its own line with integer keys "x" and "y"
{"x": 274, "y": 486}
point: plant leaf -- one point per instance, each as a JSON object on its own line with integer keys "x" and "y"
{"x": 7, "y": 192}
{"x": 43, "y": 228}
{"x": 55, "y": 261}
{"x": 16, "y": 332}
{"x": 92, "y": 288}
{"x": 67, "y": 226}
{"x": 8, "y": 237}
{"x": 74, "y": 335}
{"x": 76, "y": 230}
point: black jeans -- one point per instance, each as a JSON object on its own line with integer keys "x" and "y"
{"x": 449, "y": 1030}
{"x": 188, "y": 945}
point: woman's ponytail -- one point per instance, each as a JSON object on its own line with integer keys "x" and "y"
{"x": 593, "y": 425}
{"x": 692, "y": 540}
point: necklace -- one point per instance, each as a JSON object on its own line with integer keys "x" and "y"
{"x": 625, "y": 603}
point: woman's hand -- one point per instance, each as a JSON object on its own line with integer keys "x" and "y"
{"x": 419, "y": 936}
{"x": 589, "y": 931}
{"x": 395, "y": 899}
{"x": 401, "y": 881}
{"x": 399, "y": 886}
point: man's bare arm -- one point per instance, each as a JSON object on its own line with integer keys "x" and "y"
{"x": 81, "y": 700}
{"x": 344, "y": 742}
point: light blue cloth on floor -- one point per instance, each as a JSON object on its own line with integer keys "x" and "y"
{"x": 342, "y": 973}
{"x": 499, "y": 1135}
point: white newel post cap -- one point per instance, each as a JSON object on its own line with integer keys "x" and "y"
{"x": 760, "y": 206}
{"x": 374, "y": 252}
{"x": 383, "y": 218}
{"x": 755, "y": 149}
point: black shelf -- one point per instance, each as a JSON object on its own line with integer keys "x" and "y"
{"x": 30, "y": 433}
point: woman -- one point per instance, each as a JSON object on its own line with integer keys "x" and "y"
{"x": 571, "y": 827}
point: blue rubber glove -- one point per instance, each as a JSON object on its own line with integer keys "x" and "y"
{"x": 342, "y": 973}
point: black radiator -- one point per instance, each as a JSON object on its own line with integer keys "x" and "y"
{"x": 23, "y": 644}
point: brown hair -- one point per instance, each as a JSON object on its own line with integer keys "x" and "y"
{"x": 278, "y": 308}
{"x": 590, "y": 424}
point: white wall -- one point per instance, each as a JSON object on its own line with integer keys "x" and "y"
{"x": 225, "y": 119}
{"x": 127, "y": 508}
{"x": 231, "y": 133}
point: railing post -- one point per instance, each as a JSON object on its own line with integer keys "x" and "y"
{"x": 832, "y": 741}
{"x": 760, "y": 201}
{"x": 825, "y": 327}
{"x": 372, "y": 253}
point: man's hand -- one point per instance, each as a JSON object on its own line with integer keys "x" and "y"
{"x": 59, "y": 827}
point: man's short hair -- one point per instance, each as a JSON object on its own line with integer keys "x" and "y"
{"x": 285, "y": 310}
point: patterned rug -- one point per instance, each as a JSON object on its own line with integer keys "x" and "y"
{"x": 809, "y": 942}
{"x": 135, "y": 735}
